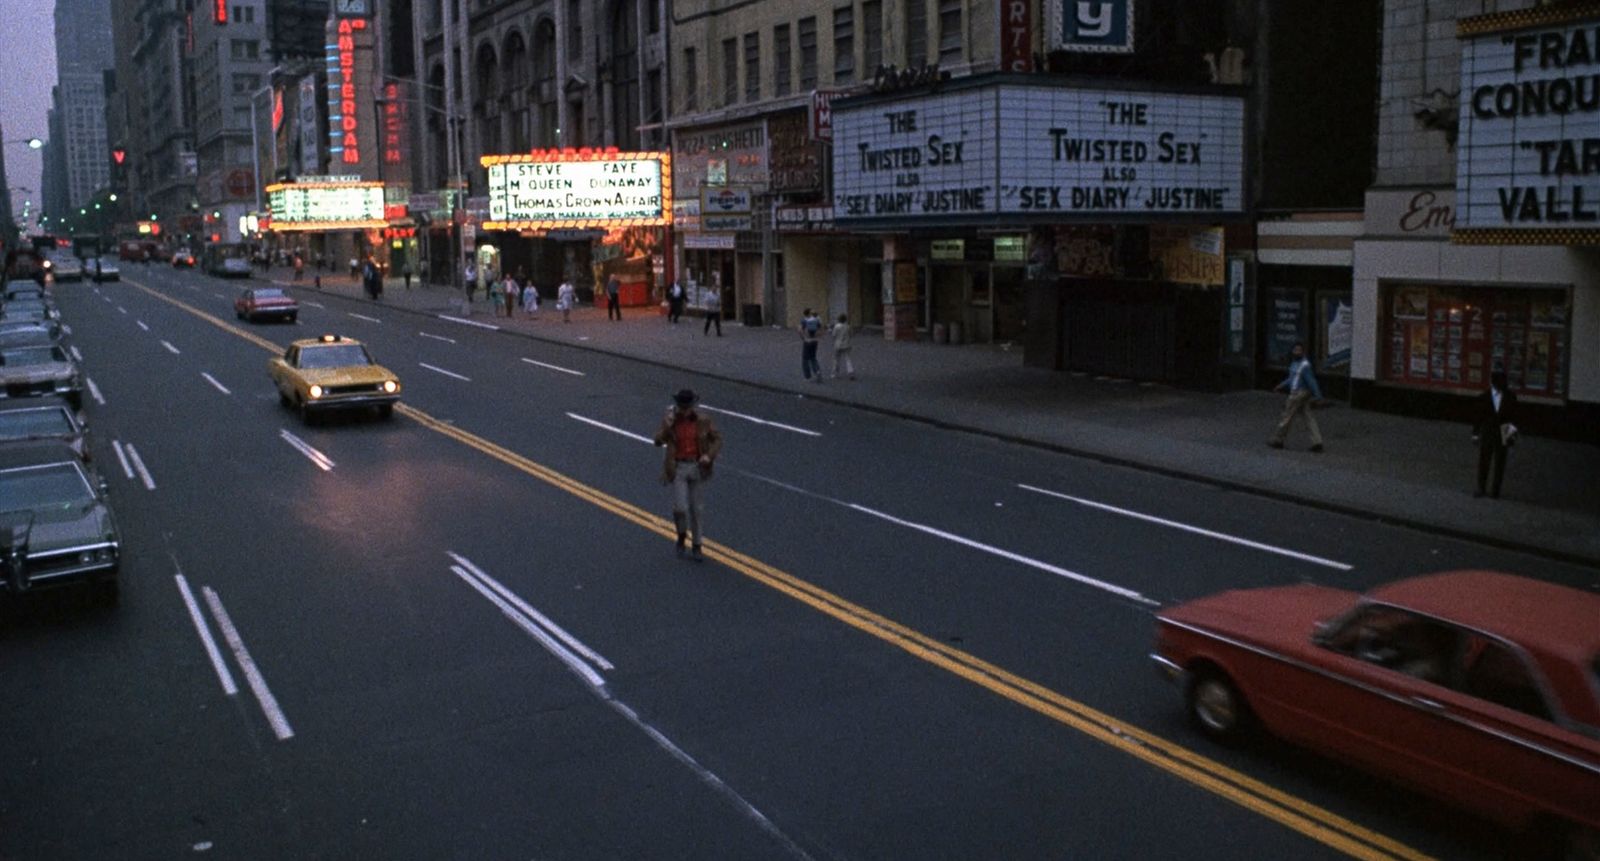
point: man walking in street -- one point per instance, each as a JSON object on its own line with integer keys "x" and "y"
{"x": 675, "y": 297}
{"x": 613, "y": 298}
{"x": 713, "y": 311}
{"x": 1303, "y": 389}
{"x": 692, "y": 444}
{"x": 1496, "y": 409}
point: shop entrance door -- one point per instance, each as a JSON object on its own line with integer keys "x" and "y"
{"x": 838, "y": 288}
{"x": 1118, "y": 329}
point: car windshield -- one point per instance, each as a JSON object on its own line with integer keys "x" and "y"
{"x": 269, "y": 293}
{"x": 51, "y": 485}
{"x": 31, "y": 356}
{"x": 334, "y": 356}
{"x": 22, "y": 424}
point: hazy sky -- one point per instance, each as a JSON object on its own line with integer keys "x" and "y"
{"x": 27, "y": 72}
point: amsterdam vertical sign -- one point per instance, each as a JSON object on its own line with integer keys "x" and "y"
{"x": 352, "y": 123}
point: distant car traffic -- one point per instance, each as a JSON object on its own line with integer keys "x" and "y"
{"x": 25, "y": 264}
{"x": 65, "y": 267}
{"x": 32, "y": 419}
{"x": 183, "y": 258}
{"x": 1477, "y": 687}
{"x": 55, "y": 525}
{"x": 332, "y": 373}
{"x": 105, "y": 269}
{"x": 266, "y": 303}
{"x": 233, "y": 267}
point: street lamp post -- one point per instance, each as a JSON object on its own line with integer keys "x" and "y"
{"x": 453, "y": 124}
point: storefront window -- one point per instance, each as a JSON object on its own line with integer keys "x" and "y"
{"x": 1446, "y": 337}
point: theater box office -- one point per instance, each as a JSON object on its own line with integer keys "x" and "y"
{"x": 1116, "y": 199}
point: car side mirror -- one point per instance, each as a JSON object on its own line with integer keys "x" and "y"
{"x": 1321, "y": 632}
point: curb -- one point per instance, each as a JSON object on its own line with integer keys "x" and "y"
{"x": 1423, "y": 526}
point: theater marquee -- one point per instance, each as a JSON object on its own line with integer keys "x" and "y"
{"x": 1063, "y": 154}
{"x": 569, "y": 189}
{"x": 1528, "y": 152}
{"x": 325, "y": 206}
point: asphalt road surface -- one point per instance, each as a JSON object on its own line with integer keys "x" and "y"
{"x": 463, "y": 632}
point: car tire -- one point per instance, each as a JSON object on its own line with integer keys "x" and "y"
{"x": 106, "y": 593}
{"x": 307, "y": 417}
{"x": 1217, "y": 708}
{"x": 385, "y": 411}
{"x": 293, "y": 318}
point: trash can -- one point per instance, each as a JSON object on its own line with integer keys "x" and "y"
{"x": 750, "y": 315}
{"x": 955, "y": 333}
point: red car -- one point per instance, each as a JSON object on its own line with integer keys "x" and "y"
{"x": 1480, "y": 688}
{"x": 268, "y": 302}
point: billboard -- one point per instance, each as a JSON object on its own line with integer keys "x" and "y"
{"x": 321, "y": 206}
{"x": 578, "y": 188}
{"x": 1090, "y": 26}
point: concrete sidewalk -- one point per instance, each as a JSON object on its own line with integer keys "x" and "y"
{"x": 1403, "y": 470}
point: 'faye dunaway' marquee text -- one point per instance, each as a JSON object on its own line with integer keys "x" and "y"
{"x": 1576, "y": 52}
{"x": 568, "y": 190}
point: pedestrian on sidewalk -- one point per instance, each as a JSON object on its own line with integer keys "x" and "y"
{"x": 513, "y": 290}
{"x": 530, "y": 299}
{"x": 613, "y": 298}
{"x": 1302, "y": 387}
{"x": 299, "y": 267}
{"x": 692, "y": 444}
{"x": 496, "y": 294}
{"x": 355, "y": 269}
{"x": 810, "y": 329}
{"x": 470, "y": 279}
{"x": 372, "y": 278}
{"x": 841, "y": 348}
{"x": 566, "y": 297}
{"x": 1496, "y": 432}
{"x": 320, "y": 261}
{"x": 406, "y": 271}
{"x": 675, "y": 297}
{"x": 713, "y": 311}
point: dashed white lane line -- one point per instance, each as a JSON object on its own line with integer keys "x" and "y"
{"x": 122, "y": 457}
{"x": 206, "y": 640}
{"x": 171, "y": 349}
{"x": 66, "y": 328}
{"x": 603, "y": 426}
{"x": 437, "y": 337}
{"x": 218, "y": 295}
{"x": 94, "y": 391}
{"x": 779, "y": 425}
{"x": 141, "y": 325}
{"x": 1112, "y": 588}
{"x": 567, "y": 649}
{"x": 364, "y": 317}
{"x": 316, "y": 305}
{"x": 252, "y": 674}
{"x": 555, "y": 368}
{"x": 213, "y": 381}
{"x": 322, "y": 461}
{"x": 138, "y": 466}
{"x": 122, "y": 309}
{"x": 445, "y": 372}
{"x": 76, "y": 354}
{"x": 465, "y": 322}
{"x": 1196, "y": 530}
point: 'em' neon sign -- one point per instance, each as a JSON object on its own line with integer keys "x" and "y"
{"x": 350, "y": 122}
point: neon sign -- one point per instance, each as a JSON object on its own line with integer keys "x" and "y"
{"x": 345, "y": 82}
{"x": 222, "y": 11}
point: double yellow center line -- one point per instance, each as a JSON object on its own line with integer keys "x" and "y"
{"x": 1309, "y": 819}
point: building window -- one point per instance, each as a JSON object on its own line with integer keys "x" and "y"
{"x": 625, "y": 75}
{"x": 916, "y": 32}
{"x": 653, "y": 100}
{"x": 808, "y": 53}
{"x": 545, "y": 91}
{"x": 246, "y": 84}
{"x": 245, "y": 49}
{"x": 844, "y": 44}
{"x": 871, "y": 35}
{"x": 781, "y": 58}
{"x": 691, "y": 80}
{"x": 752, "y": 67}
{"x": 730, "y": 71}
{"x": 653, "y": 17}
{"x": 949, "y": 32}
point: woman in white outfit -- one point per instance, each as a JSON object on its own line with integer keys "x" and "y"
{"x": 566, "y": 297}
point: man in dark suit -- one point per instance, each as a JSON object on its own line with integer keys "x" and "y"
{"x": 1496, "y": 411}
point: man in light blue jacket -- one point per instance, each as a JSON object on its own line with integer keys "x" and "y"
{"x": 1303, "y": 390}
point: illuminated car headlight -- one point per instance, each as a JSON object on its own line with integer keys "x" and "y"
{"x": 316, "y": 392}
{"x": 391, "y": 386}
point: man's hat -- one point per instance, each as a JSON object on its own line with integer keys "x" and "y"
{"x": 684, "y": 397}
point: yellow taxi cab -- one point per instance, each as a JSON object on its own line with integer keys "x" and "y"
{"x": 332, "y": 372}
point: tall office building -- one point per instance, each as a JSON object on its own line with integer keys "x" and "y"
{"x": 83, "y": 54}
